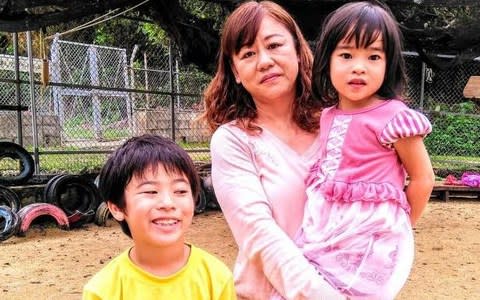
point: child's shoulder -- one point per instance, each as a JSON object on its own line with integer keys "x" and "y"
{"x": 205, "y": 259}
{"x": 110, "y": 273}
{"x": 396, "y": 104}
{"x": 210, "y": 274}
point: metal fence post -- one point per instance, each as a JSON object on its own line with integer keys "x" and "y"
{"x": 17, "y": 89}
{"x": 422, "y": 86}
{"x": 58, "y": 107}
{"x": 33, "y": 102}
{"x": 177, "y": 82}
{"x": 172, "y": 102}
{"x": 145, "y": 67}
{"x": 97, "y": 115}
{"x": 131, "y": 106}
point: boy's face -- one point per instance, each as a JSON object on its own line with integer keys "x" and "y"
{"x": 158, "y": 207}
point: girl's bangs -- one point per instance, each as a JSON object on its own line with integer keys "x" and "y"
{"x": 367, "y": 29}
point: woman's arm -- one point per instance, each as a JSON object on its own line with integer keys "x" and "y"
{"x": 415, "y": 159}
{"x": 247, "y": 210}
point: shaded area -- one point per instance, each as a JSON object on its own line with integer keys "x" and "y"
{"x": 429, "y": 26}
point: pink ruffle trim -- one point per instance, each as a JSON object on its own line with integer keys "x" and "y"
{"x": 362, "y": 191}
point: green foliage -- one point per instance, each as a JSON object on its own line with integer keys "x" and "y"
{"x": 156, "y": 36}
{"x": 206, "y": 10}
{"x": 465, "y": 107}
{"x": 443, "y": 16}
{"x": 84, "y": 162}
{"x": 117, "y": 33}
{"x": 450, "y": 16}
{"x": 454, "y": 135}
{"x": 71, "y": 163}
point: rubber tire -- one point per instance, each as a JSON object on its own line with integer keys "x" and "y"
{"x": 84, "y": 208}
{"x": 9, "y": 223}
{"x": 207, "y": 186}
{"x": 9, "y": 197}
{"x": 32, "y": 211}
{"x": 48, "y": 187}
{"x": 17, "y": 152}
{"x": 102, "y": 215}
{"x": 201, "y": 203}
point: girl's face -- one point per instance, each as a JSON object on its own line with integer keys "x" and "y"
{"x": 357, "y": 73}
{"x": 159, "y": 208}
{"x": 268, "y": 68}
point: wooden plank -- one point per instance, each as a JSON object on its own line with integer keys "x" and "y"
{"x": 13, "y": 107}
{"x": 446, "y": 192}
{"x": 472, "y": 88}
{"x": 459, "y": 188}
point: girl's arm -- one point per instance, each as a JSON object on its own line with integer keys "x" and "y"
{"x": 415, "y": 159}
{"x": 249, "y": 216}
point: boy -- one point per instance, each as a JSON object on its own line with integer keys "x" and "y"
{"x": 150, "y": 184}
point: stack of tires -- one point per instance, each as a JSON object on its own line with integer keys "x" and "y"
{"x": 25, "y": 161}
{"x": 9, "y": 205}
{"x": 71, "y": 200}
{"x": 9, "y": 201}
{"x": 76, "y": 195}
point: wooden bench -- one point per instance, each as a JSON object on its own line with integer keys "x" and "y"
{"x": 472, "y": 88}
{"x": 445, "y": 192}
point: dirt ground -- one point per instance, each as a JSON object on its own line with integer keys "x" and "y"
{"x": 53, "y": 264}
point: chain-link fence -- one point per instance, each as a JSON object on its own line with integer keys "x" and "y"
{"x": 455, "y": 139}
{"x": 87, "y": 99}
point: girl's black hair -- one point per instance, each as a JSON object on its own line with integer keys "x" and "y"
{"x": 362, "y": 22}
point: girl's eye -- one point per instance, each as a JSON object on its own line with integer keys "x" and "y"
{"x": 375, "y": 57}
{"x": 346, "y": 55}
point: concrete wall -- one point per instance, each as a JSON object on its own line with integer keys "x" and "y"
{"x": 158, "y": 122}
{"x": 48, "y": 128}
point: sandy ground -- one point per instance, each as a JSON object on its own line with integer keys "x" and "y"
{"x": 53, "y": 264}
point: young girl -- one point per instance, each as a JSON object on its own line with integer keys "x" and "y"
{"x": 357, "y": 227}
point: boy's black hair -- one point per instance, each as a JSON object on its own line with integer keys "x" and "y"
{"x": 134, "y": 157}
{"x": 361, "y": 22}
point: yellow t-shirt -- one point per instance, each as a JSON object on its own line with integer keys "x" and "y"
{"x": 203, "y": 277}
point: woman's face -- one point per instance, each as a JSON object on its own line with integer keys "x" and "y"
{"x": 268, "y": 68}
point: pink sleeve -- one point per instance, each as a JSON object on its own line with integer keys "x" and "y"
{"x": 249, "y": 215}
{"x": 406, "y": 123}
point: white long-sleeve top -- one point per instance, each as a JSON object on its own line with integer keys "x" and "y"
{"x": 259, "y": 183}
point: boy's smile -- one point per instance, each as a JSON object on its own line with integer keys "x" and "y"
{"x": 159, "y": 207}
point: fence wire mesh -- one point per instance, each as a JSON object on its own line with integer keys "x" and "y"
{"x": 455, "y": 138}
{"x": 88, "y": 99}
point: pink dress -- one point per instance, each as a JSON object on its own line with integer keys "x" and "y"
{"x": 356, "y": 228}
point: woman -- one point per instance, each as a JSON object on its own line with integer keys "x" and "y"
{"x": 265, "y": 127}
